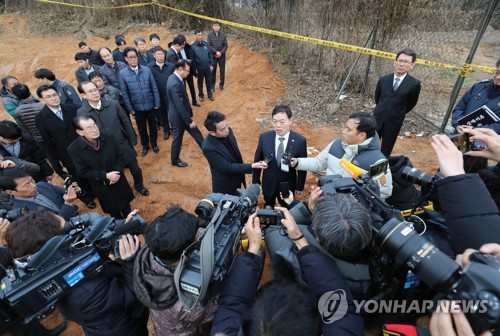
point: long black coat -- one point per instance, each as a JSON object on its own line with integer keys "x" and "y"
{"x": 112, "y": 119}
{"x": 228, "y": 173}
{"x": 392, "y": 106}
{"x": 93, "y": 166}
{"x": 58, "y": 134}
{"x": 161, "y": 77}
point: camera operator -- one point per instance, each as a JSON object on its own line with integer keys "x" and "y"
{"x": 244, "y": 312}
{"x": 34, "y": 328}
{"x": 104, "y": 304}
{"x": 338, "y": 226}
{"x": 26, "y": 193}
{"x": 470, "y": 212}
{"x": 166, "y": 238}
{"x": 442, "y": 322}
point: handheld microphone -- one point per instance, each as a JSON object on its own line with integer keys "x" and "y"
{"x": 251, "y": 194}
{"x": 352, "y": 169}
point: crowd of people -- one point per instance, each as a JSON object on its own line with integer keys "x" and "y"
{"x": 323, "y": 244}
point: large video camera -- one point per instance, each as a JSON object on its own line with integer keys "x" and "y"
{"x": 209, "y": 259}
{"x": 32, "y": 289}
{"x": 479, "y": 282}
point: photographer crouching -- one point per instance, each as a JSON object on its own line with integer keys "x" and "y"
{"x": 103, "y": 303}
{"x": 283, "y": 307}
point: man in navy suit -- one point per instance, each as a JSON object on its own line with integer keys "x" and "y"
{"x": 26, "y": 193}
{"x": 276, "y": 143}
{"x": 180, "y": 113}
{"x": 222, "y": 153}
{"x": 396, "y": 95}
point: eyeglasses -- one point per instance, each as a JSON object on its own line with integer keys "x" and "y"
{"x": 54, "y": 95}
{"x": 94, "y": 90}
{"x": 403, "y": 61}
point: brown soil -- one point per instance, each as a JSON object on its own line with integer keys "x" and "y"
{"x": 252, "y": 89}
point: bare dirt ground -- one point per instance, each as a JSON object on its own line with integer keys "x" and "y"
{"x": 252, "y": 88}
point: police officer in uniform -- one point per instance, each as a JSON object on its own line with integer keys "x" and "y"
{"x": 485, "y": 92}
{"x": 66, "y": 92}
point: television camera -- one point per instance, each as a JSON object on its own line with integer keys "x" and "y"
{"x": 32, "y": 288}
{"x": 205, "y": 264}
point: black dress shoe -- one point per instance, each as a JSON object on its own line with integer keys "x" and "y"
{"x": 90, "y": 205}
{"x": 144, "y": 151}
{"x": 196, "y": 104}
{"x": 221, "y": 87}
{"x": 58, "y": 330}
{"x": 201, "y": 98}
{"x": 143, "y": 191}
{"x": 166, "y": 136}
{"x": 180, "y": 164}
{"x": 211, "y": 98}
{"x": 156, "y": 149}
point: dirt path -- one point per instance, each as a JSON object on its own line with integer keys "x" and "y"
{"x": 251, "y": 90}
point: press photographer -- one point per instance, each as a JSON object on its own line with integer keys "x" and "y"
{"x": 102, "y": 301}
{"x": 245, "y": 311}
{"x": 166, "y": 238}
{"x": 471, "y": 214}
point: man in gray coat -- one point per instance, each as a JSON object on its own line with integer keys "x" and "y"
{"x": 112, "y": 119}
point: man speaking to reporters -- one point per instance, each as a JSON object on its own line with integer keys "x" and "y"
{"x": 359, "y": 145}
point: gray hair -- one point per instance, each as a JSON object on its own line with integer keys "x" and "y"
{"x": 341, "y": 225}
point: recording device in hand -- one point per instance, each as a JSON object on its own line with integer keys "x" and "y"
{"x": 461, "y": 141}
{"x": 268, "y": 216}
{"x": 286, "y": 161}
{"x": 68, "y": 181}
{"x": 268, "y": 158}
{"x": 31, "y": 289}
{"x": 479, "y": 281}
{"x": 285, "y": 189}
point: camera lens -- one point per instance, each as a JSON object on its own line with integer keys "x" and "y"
{"x": 416, "y": 176}
{"x": 405, "y": 245}
{"x": 204, "y": 208}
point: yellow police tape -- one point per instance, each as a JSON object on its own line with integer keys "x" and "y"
{"x": 464, "y": 70}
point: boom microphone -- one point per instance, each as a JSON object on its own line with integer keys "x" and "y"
{"x": 352, "y": 169}
{"x": 251, "y": 194}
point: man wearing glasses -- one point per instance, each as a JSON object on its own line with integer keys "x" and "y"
{"x": 396, "y": 95}
{"x": 142, "y": 98}
{"x": 180, "y": 113}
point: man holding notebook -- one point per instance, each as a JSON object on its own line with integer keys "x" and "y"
{"x": 476, "y": 105}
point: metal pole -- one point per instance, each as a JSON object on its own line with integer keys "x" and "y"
{"x": 344, "y": 84}
{"x": 369, "y": 63}
{"x": 460, "y": 79}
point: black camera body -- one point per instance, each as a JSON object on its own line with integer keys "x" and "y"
{"x": 479, "y": 281}
{"x": 31, "y": 289}
{"x": 227, "y": 214}
{"x": 13, "y": 214}
{"x": 268, "y": 216}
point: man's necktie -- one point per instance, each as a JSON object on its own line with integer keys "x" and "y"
{"x": 59, "y": 114}
{"x": 281, "y": 151}
{"x": 396, "y": 83}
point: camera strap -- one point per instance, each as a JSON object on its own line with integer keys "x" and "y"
{"x": 206, "y": 264}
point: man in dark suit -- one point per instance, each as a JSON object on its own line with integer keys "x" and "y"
{"x": 99, "y": 160}
{"x": 396, "y": 95}
{"x": 26, "y": 194}
{"x": 161, "y": 71}
{"x": 177, "y": 50}
{"x": 55, "y": 124}
{"x": 180, "y": 113}
{"x": 274, "y": 144}
{"x": 222, "y": 153}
